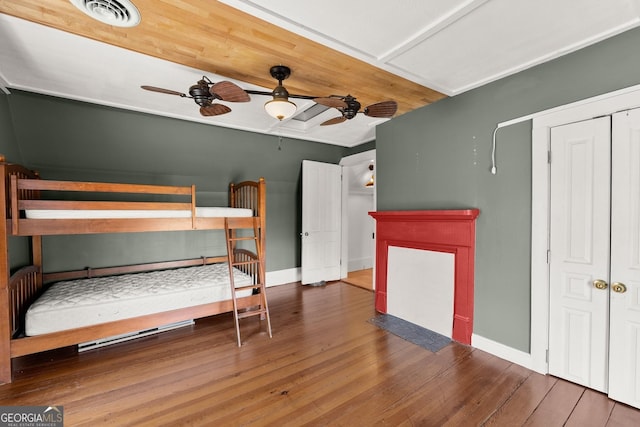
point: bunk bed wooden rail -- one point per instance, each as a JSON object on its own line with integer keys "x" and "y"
{"x": 251, "y": 195}
{"x": 10, "y": 170}
{"x": 26, "y": 194}
{"x": 24, "y": 288}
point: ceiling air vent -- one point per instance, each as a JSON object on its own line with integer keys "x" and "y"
{"x": 119, "y": 13}
{"x": 310, "y": 113}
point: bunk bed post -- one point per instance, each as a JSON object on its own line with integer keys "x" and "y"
{"x": 36, "y": 257}
{"x": 5, "y": 324}
{"x": 262, "y": 213}
{"x": 232, "y": 191}
{"x": 231, "y": 234}
{"x": 193, "y": 206}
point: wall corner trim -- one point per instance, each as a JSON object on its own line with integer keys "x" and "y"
{"x": 502, "y": 351}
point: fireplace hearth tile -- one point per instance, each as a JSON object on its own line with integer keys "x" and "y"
{"x": 411, "y": 332}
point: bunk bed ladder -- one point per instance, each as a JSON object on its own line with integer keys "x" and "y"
{"x": 254, "y": 265}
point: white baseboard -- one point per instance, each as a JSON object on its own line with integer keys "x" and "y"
{"x": 502, "y": 351}
{"x": 282, "y": 277}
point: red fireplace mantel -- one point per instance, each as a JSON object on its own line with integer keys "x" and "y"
{"x": 451, "y": 231}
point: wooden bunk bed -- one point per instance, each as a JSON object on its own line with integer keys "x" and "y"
{"x": 31, "y": 208}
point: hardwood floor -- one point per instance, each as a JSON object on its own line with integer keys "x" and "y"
{"x": 325, "y": 365}
{"x": 362, "y": 278}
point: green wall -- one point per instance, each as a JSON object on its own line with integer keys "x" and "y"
{"x": 18, "y": 246}
{"x": 371, "y": 145}
{"x": 439, "y": 157}
{"x": 8, "y": 145}
{"x": 71, "y": 140}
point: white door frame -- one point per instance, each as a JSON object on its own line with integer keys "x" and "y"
{"x": 540, "y": 192}
{"x": 355, "y": 159}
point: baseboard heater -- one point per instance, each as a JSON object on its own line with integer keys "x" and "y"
{"x": 103, "y": 342}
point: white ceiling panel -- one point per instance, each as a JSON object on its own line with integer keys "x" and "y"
{"x": 502, "y": 37}
{"x": 372, "y": 28}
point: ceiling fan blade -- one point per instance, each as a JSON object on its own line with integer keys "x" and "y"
{"x": 214, "y": 110}
{"x": 331, "y": 102}
{"x": 334, "y": 121}
{"x": 228, "y": 91}
{"x": 384, "y": 109}
{"x": 161, "y": 90}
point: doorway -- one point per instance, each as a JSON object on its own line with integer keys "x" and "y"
{"x": 337, "y": 242}
{"x": 358, "y": 189}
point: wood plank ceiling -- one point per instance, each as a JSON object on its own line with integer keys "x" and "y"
{"x": 213, "y": 37}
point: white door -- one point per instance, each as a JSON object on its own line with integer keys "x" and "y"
{"x": 624, "y": 367}
{"x": 579, "y": 252}
{"x": 594, "y": 325}
{"x": 321, "y": 221}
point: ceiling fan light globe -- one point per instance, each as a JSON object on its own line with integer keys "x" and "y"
{"x": 280, "y": 108}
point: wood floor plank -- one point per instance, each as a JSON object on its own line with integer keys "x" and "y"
{"x": 255, "y": 389}
{"x": 557, "y": 405}
{"x": 623, "y": 416}
{"x": 395, "y": 386}
{"x": 522, "y": 402}
{"x": 442, "y": 397}
{"x": 325, "y": 365}
{"x": 495, "y": 392}
{"x": 305, "y": 398}
{"x": 361, "y": 278}
{"x": 592, "y": 408}
{"x": 331, "y": 400}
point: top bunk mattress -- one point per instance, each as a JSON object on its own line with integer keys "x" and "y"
{"x": 201, "y": 212}
{"x": 84, "y": 302}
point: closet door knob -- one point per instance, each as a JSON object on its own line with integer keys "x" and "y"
{"x": 600, "y": 284}
{"x": 619, "y": 287}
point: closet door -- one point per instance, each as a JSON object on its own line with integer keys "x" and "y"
{"x": 594, "y": 261}
{"x": 624, "y": 370}
{"x": 579, "y": 252}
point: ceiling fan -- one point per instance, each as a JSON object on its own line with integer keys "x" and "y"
{"x": 349, "y": 107}
{"x": 281, "y": 108}
{"x": 205, "y": 93}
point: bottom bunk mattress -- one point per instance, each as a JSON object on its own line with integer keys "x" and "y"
{"x": 84, "y": 302}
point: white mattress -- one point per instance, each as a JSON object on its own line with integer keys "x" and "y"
{"x": 202, "y": 212}
{"x": 76, "y": 303}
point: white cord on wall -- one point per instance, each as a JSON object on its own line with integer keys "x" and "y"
{"x": 494, "y": 170}
{"x": 593, "y": 100}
